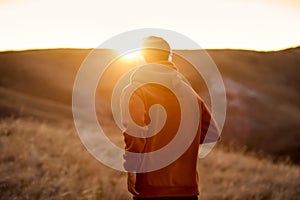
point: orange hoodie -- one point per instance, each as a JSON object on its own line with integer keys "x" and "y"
{"x": 179, "y": 178}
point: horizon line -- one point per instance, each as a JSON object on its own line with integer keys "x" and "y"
{"x": 91, "y": 48}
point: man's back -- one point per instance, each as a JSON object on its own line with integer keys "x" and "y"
{"x": 180, "y": 177}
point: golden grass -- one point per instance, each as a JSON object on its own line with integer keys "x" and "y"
{"x": 46, "y": 160}
{"x": 233, "y": 175}
{"x": 41, "y": 160}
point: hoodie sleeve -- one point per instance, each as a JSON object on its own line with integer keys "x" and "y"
{"x": 212, "y": 134}
{"x": 133, "y": 144}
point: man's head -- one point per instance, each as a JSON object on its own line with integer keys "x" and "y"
{"x": 155, "y": 49}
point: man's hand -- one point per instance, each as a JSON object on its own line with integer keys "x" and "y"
{"x": 131, "y": 179}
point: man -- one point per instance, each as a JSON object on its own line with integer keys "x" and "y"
{"x": 158, "y": 82}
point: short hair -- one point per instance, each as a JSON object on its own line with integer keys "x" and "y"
{"x": 156, "y": 48}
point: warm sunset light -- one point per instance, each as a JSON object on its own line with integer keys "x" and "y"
{"x": 132, "y": 55}
{"x": 257, "y": 24}
{"x": 160, "y": 99}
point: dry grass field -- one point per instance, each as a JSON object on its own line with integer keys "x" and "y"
{"x": 46, "y": 160}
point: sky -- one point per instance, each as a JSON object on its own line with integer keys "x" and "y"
{"x": 213, "y": 24}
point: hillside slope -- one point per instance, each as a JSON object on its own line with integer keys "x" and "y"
{"x": 262, "y": 91}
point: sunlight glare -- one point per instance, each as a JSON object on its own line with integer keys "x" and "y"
{"x": 252, "y": 25}
{"x": 132, "y": 55}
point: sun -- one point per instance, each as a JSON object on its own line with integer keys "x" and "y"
{"x": 132, "y": 55}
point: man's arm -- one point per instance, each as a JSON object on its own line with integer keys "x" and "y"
{"x": 131, "y": 181}
{"x": 133, "y": 144}
{"x": 137, "y": 114}
{"x": 210, "y": 131}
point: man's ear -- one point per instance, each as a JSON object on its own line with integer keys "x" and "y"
{"x": 170, "y": 58}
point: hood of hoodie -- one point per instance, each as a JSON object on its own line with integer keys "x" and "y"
{"x": 164, "y": 72}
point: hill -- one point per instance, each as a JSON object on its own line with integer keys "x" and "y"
{"x": 261, "y": 88}
{"x": 263, "y": 99}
